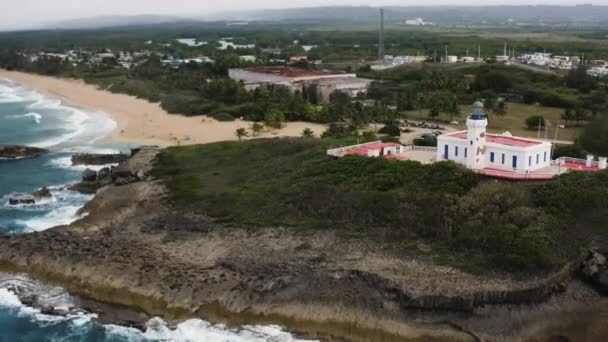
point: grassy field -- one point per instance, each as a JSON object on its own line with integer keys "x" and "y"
{"x": 513, "y": 122}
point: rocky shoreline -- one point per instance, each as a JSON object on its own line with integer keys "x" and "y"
{"x": 134, "y": 249}
{"x": 19, "y": 152}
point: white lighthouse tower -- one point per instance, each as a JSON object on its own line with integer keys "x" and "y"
{"x": 476, "y": 137}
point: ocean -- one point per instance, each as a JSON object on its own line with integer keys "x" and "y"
{"x": 30, "y": 118}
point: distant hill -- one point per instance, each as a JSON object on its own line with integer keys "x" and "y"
{"x": 549, "y": 15}
{"x": 115, "y": 21}
{"x": 543, "y": 14}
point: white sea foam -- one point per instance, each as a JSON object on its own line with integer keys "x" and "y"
{"x": 66, "y": 163}
{"x": 61, "y": 209}
{"x": 80, "y": 126}
{"x": 9, "y": 299}
{"x": 58, "y": 217}
{"x": 156, "y": 328}
{"x": 34, "y": 116}
{"x": 199, "y": 330}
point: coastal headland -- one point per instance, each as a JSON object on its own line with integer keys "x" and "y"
{"x": 143, "y": 122}
{"x": 136, "y": 248}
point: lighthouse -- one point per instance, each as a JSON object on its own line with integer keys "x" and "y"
{"x": 476, "y": 138}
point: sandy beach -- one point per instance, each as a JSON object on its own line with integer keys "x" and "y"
{"x": 139, "y": 121}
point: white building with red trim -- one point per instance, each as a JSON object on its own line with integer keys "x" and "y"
{"x": 479, "y": 150}
{"x": 493, "y": 155}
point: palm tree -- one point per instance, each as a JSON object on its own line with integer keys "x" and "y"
{"x": 256, "y": 128}
{"x": 308, "y": 133}
{"x": 241, "y": 133}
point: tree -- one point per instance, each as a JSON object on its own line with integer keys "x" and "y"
{"x": 489, "y": 101}
{"x": 568, "y": 115}
{"x": 534, "y": 121}
{"x": 391, "y": 130}
{"x": 501, "y": 108}
{"x": 274, "y": 117}
{"x": 434, "y": 110}
{"x": 580, "y": 114}
{"x": 579, "y": 79}
{"x": 594, "y": 137}
{"x": 308, "y": 133}
{"x": 241, "y": 133}
{"x": 256, "y": 128}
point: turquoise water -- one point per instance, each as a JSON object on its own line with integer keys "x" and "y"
{"x": 29, "y": 118}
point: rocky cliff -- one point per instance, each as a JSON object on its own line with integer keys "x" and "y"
{"x": 134, "y": 248}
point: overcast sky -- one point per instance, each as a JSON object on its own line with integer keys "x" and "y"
{"x": 17, "y": 14}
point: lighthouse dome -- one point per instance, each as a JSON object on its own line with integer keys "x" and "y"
{"x": 477, "y": 113}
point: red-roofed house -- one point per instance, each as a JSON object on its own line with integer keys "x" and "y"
{"x": 370, "y": 149}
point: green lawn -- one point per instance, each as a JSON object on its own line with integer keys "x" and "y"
{"x": 513, "y": 122}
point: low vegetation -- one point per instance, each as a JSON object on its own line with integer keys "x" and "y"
{"x": 468, "y": 221}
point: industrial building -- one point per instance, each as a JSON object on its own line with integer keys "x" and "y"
{"x": 324, "y": 81}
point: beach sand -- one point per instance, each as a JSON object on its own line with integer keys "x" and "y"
{"x": 140, "y": 121}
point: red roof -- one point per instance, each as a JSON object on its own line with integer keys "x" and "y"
{"x": 292, "y": 72}
{"x": 395, "y": 157}
{"x": 580, "y": 167}
{"x": 378, "y": 145}
{"x": 358, "y": 151}
{"x": 502, "y": 140}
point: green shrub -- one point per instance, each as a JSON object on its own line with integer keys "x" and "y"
{"x": 223, "y": 117}
{"x": 390, "y": 130}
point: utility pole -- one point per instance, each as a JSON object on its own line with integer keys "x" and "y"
{"x": 446, "y": 53}
{"x": 435, "y": 56}
{"x": 478, "y": 52}
{"x": 381, "y": 38}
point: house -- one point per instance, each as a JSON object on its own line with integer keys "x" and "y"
{"x": 248, "y": 58}
{"x": 450, "y": 59}
{"x": 370, "y": 149}
{"x": 295, "y": 59}
{"x": 467, "y": 59}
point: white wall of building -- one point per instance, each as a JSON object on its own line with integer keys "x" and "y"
{"x": 526, "y": 157}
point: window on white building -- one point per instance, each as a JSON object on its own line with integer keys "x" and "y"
{"x": 491, "y": 157}
{"x": 545, "y": 157}
{"x": 456, "y": 151}
{"x": 503, "y": 159}
{"x": 537, "y": 158}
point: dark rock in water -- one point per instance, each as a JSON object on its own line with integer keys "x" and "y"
{"x": 98, "y": 159}
{"x": 17, "y": 152}
{"x": 89, "y": 175}
{"x": 42, "y": 193}
{"x": 21, "y": 200}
